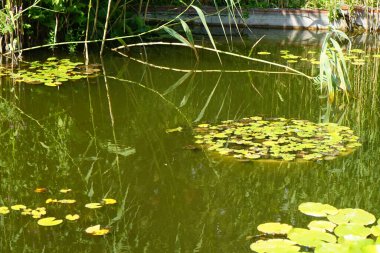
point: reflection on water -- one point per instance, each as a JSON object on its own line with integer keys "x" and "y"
{"x": 106, "y": 137}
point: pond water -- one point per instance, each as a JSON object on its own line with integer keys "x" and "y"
{"x": 105, "y": 137}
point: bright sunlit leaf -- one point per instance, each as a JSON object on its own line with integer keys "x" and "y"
{"x": 92, "y": 229}
{"x": 96, "y": 230}
{"x": 27, "y": 211}
{"x": 49, "y": 221}
{"x": 65, "y": 190}
{"x": 173, "y": 130}
{"x": 48, "y": 201}
{"x": 263, "y": 53}
{"x": 109, "y": 201}
{"x": 72, "y": 217}
{"x": 4, "y": 210}
{"x": 40, "y": 190}
{"x": 18, "y": 207}
{"x": 93, "y": 205}
{"x": 102, "y": 231}
{"x": 67, "y": 201}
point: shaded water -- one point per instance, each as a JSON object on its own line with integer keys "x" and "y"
{"x": 105, "y": 137}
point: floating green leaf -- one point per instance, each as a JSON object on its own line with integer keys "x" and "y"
{"x": 173, "y": 130}
{"x": 49, "y": 221}
{"x": 72, "y": 217}
{"x": 277, "y": 139}
{"x": 353, "y": 230}
{"x": 93, "y": 205}
{"x": 52, "y": 72}
{"x": 332, "y": 248}
{"x": 350, "y": 215}
{"x": 274, "y": 246}
{"x": 321, "y": 225}
{"x": 4, "y": 210}
{"x": 97, "y": 230}
{"x": 317, "y": 209}
{"x": 274, "y": 228}
{"x": 310, "y": 238}
{"x": 350, "y": 236}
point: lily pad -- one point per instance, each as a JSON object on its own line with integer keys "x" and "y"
{"x": 321, "y": 225}
{"x": 374, "y": 248}
{"x": 274, "y": 228}
{"x": 93, "y": 205}
{"x": 49, "y": 221}
{"x": 332, "y": 248}
{"x": 72, "y": 217}
{"x": 352, "y": 229}
{"x": 274, "y": 246}
{"x": 310, "y": 238}
{"x": 4, "y": 210}
{"x": 18, "y": 207}
{"x": 97, "y": 230}
{"x": 375, "y": 230}
{"x": 350, "y": 215}
{"x": 317, "y": 209}
{"x": 109, "y": 201}
{"x": 276, "y": 139}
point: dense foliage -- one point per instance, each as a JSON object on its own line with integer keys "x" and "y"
{"x": 327, "y": 4}
{"x": 31, "y": 22}
{"x": 27, "y": 23}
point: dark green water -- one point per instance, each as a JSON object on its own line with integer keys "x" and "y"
{"x": 172, "y": 199}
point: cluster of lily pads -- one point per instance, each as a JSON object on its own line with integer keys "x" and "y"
{"x": 277, "y": 138}
{"x": 41, "y": 213}
{"x": 346, "y": 230}
{"x": 52, "y": 72}
{"x": 354, "y": 56}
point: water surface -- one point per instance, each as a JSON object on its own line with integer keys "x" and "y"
{"x": 106, "y": 137}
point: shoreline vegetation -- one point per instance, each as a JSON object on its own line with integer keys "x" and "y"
{"x": 41, "y": 24}
{"x": 26, "y": 24}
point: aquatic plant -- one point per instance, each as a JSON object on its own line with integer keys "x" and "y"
{"x": 40, "y": 212}
{"x": 277, "y": 138}
{"x": 52, "y": 72}
{"x": 346, "y": 230}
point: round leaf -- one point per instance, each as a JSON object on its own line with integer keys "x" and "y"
{"x": 274, "y": 228}
{"x": 109, "y": 201}
{"x": 317, "y": 209}
{"x": 93, "y": 205}
{"x": 18, "y": 207}
{"x": 49, "y": 221}
{"x": 350, "y": 215}
{"x": 375, "y": 230}
{"x": 310, "y": 238}
{"x": 274, "y": 246}
{"x": 72, "y": 217}
{"x": 321, "y": 225}
{"x": 332, "y": 248}
{"x": 352, "y": 229}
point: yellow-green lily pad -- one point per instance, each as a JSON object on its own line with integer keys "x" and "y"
{"x": 352, "y": 229}
{"x": 321, "y": 225}
{"x": 310, "y": 238}
{"x": 274, "y": 246}
{"x": 317, "y": 209}
{"x": 274, "y": 228}
{"x": 351, "y": 215}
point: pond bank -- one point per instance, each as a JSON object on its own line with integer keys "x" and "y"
{"x": 295, "y": 19}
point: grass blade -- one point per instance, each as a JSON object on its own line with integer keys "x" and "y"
{"x": 203, "y": 20}
{"x": 188, "y": 32}
{"x": 202, "y": 112}
{"x": 182, "y": 39}
{"x": 178, "y": 83}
